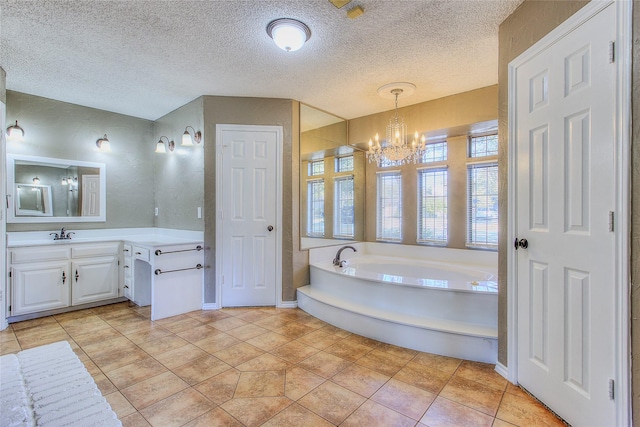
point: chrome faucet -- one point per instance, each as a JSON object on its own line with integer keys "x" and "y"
{"x": 336, "y": 260}
{"x": 62, "y": 235}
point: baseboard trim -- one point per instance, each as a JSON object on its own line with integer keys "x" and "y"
{"x": 288, "y": 304}
{"x": 210, "y": 306}
{"x": 502, "y": 370}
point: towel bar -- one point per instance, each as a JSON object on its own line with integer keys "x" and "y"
{"x": 197, "y": 248}
{"x": 159, "y": 272}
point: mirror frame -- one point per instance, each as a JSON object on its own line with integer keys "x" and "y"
{"x": 11, "y": 189}
{"x": 48, "y": 210}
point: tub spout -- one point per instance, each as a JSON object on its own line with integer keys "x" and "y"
{"x": 336, "y": 260}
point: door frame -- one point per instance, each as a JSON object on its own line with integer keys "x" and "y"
{"x": 220, "y": 188}
{"x": 622, "y": 169}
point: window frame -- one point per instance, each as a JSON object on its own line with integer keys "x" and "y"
{"x": 310, "y": 207}
{"x": 395, "y": 201}
{"x": 420, "y": 239}
{"x": 470, "y": 242}
{"x": 337, "y": 207}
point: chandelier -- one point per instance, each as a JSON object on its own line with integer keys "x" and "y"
{"x": 396, "y": 148}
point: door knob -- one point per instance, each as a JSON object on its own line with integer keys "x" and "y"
{"x": 520, "y": 243}
{"x": 270, "y": 228}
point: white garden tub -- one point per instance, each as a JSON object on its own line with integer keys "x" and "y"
{"x": 438, "y": 300}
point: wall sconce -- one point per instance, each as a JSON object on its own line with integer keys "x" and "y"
{"x": 160, "y": 148}
{"x": 69, "y": 181}
{"x": 36, "y": 180}
{"x": 187, "y": 141}
{"x": 103, "y": 144}
{"x": 15, "y": 132}
{"x": 289, "y": 34}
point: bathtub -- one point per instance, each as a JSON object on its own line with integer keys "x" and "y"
{"x": 437, "y": 300}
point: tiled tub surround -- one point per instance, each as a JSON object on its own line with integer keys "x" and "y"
{"x": 180, "y": 250}
{"x": 439, "y": 300}
{"x": 271, "y": 367}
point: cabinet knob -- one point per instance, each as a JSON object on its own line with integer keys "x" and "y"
{"x": 64, "y": 277}
{"x": 77, "y": 276}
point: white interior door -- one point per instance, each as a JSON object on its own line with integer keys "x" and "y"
{"x": 249, "y": 214}
{"x": 564, "y": 118}
{"x": 90, "y": 195}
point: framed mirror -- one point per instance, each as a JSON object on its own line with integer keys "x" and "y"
{"x": 33, "y": 200}
{"x": 332, "y": 180}
{"x": 43, "y": 189}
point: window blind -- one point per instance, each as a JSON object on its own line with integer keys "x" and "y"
{"x": 343, "y": 216}
{"x": 432, "y": 206}
{"x": 389, "y": 206}
{"x": 315, "y": 211}
{"x": 482, "y": 205}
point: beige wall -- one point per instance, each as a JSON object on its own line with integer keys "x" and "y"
{"x": 179, "y": 175}
{"x": 68, "y": 131}
{"x": 257, "y": 111}
{"x": 3, "y": 86}
{"x": 453, "y": 116}
{"x": 635, "y": 210}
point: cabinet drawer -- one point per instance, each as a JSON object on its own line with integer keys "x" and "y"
{"x": 95, "y": 250}
{"x": 141, "y": 253}
{"x": 39, "y": 254}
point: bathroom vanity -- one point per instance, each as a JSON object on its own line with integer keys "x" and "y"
{"x": 149, "y": 266}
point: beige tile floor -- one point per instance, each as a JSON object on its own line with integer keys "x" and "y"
{"x": 271, "y": 367}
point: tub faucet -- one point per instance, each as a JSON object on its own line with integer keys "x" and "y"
{"x": 336, "y": 260}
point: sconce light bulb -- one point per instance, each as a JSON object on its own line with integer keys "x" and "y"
{"x": 15, "y": 132}
{"x": 160, "y": 148}
{"x": 103, "y": 144}
{"x": 187, "y": 141}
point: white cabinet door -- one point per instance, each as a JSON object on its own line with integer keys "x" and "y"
{"x": 40, "y": 286}
{"x": 94, "y": 279}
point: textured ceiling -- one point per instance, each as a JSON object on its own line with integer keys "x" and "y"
{"x": 146, "y": 58}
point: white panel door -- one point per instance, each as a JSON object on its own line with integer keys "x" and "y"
{"x": 90, "y": 195}
{"x": 249, "y": 217}
{"x": 565, "y": 193}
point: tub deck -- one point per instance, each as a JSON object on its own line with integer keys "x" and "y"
{"x": 450, "y": 322}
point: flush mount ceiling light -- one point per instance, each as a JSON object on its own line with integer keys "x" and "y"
{"x": 187, "y": 141}
{"x": 289, "y": 34}
{"x": 160, "y": 147}
{"x": 15, "y": 132}
{"x": 103, "y": 144}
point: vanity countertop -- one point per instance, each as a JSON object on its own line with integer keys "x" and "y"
{"x": 150, "y": 237}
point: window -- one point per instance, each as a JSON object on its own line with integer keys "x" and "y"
{"x": 483, "y": 146}
{"x": 482, "y": 205}
{"x": 316, "y": 168}
{"x": 432, "y": 206}
{"x": 389, "y": 208}
{"x": 435, "y": 152}
{"x": 315, "y": 220}
{"x": 343, "y": 216}
{"x": 344, "y": 164}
